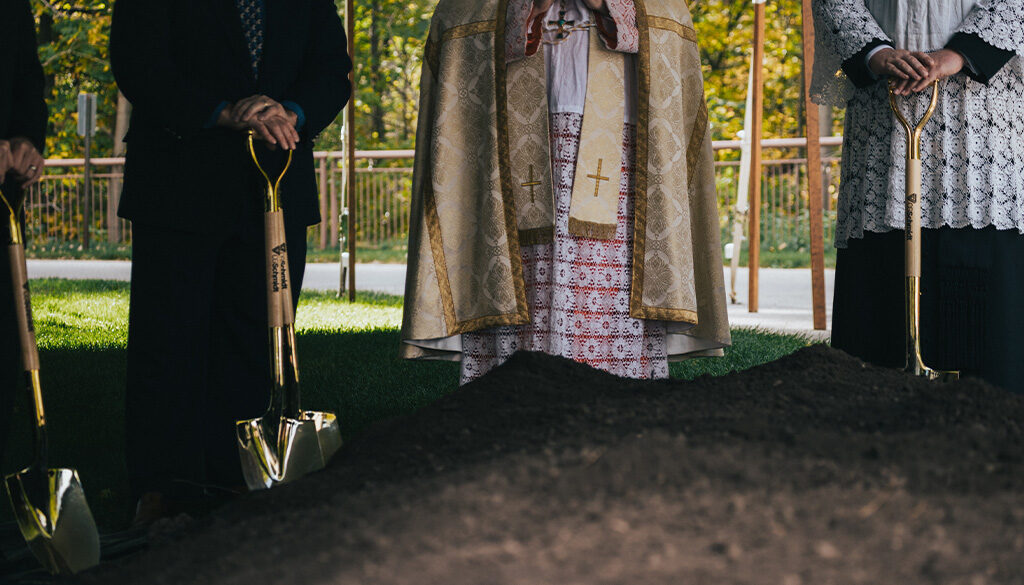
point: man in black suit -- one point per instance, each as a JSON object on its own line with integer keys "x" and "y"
{"x": 199, "y": 73}
{"x": 23, "y": 118}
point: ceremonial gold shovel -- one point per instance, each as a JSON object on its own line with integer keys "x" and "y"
{"x": 49, "y": 504}
{"x": 912, "y": 250}
{"x": 286, "y": 443}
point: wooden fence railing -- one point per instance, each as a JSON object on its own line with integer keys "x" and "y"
{"x": 59, "y": 211}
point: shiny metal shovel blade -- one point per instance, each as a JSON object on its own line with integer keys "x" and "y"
{"x": 328, "y": 433}
{"x": 272, "y": 456}
{"x": 56, "y": 523}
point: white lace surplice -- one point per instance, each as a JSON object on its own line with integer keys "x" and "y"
{"x": 578, "y": 289}
{"x": 973, "y": 173}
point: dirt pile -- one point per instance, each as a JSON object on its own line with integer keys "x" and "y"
{"x": 810, "y": 470}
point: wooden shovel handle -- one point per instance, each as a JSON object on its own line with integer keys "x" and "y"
{"x": 277, "y": 268}
{"x": 23, "y": 307}
{"x": 287, "y": 306}
{"x": 912, "y": 211}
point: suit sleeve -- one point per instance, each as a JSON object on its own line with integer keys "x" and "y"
{"x": 30, "y": 113}
{"x": 141, "y": 57}
{"x": 322, "y": 88}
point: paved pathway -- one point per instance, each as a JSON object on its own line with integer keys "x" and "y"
{"x": 785, "y": 293}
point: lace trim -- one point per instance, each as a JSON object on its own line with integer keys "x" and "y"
{"x": 999, "y": 23}
{"x": 841, "y": 29}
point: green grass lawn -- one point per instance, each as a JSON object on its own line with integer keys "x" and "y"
{"x": 348, "y": 355}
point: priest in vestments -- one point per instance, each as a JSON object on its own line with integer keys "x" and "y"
{"x": 564, "y": 194}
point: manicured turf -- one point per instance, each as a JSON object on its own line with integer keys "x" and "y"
{"x": 348, "y": 355}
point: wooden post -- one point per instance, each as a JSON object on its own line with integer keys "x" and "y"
{"x": 86, "y": 128}
{"x": 814, "y": 183}
{"x": 754, "y": 256}
{"x": 87, "y": 179}
{"x": 333, "y": 210}
{"x": 350, "y": 21}
{"x": 325, "y": 196}
{"x": 124, "y": 109}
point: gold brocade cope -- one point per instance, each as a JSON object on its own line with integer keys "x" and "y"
{"x": 593, "y": 212}
{"x": 529, "y": 149}
{"x": 482, "y": 184}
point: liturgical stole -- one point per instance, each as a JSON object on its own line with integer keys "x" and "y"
{"x": 593, "y": 212}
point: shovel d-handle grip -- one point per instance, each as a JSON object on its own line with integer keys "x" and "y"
{"x": 912, "y": 232}
{"x": 23, "y": 308}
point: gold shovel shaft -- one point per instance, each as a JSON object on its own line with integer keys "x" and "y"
{"x": 912, "y": 249}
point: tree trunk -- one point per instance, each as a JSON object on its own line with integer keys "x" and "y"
{"x": 376, "y": 79}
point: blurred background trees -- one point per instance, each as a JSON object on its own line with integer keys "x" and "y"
{"x": 390, "y": 37}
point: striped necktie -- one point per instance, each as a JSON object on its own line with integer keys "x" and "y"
{"x": 251, "y": 13}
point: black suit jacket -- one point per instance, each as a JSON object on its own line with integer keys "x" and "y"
{"x": 22, "y": 103}
{"x": 176, "y": 61}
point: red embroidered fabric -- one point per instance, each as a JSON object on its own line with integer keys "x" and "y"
{"x": 578, "y": 289}
{"x": 627, "y": 33}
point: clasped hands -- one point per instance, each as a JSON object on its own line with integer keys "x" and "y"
{"x": 913, "y": 71}
{"x": 270, "y": 121}
{"x": 19, "y": 157}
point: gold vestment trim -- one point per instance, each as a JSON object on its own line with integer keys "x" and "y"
{"x": 668, "y": 24}
{"x": 532, "y": 237}
{"x": 596, "y": 231}
{"x": 522, "y": 314}
{"x": 700, "y": 128}
{"x": 437, "y": 251}
{"x": 636, "y": 296}
{"x": 432, "y": 52}
{"x": 665, "y": 314}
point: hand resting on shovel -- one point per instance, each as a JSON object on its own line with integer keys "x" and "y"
{"x": 269, "y": 120}
{"x": 914, "y": 71}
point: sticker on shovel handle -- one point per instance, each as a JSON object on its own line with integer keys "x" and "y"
{"x": 909, "y": 216}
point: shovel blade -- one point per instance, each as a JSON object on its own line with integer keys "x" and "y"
{"x": 56, "y": 521}
{"x": 328, "y": 433}
{"x": 274, "y": 454}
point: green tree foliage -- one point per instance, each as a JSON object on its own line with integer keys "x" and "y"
{"x": 73, "y": 39}
{"x": 725, "y": 30}
{"x": 389, "y": 41}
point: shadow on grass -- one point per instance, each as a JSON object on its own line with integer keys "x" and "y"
{"x": 355, "y": 374}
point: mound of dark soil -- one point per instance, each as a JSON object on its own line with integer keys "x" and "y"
{"x": 813, "y": 469}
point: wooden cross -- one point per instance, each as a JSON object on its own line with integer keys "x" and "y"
{"x": 598, "y": 178}
{"x": 532, "y": 184}
{"x": 563, "y": 24}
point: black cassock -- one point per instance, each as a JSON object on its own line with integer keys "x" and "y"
{"x": 197, "y": 347}
{"x": 22, "y": 114}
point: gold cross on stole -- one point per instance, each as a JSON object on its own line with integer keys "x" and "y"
{"x": 598, "y": 178}
{"x": 564, "y": 26}
{"x": 532, "y": 184}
